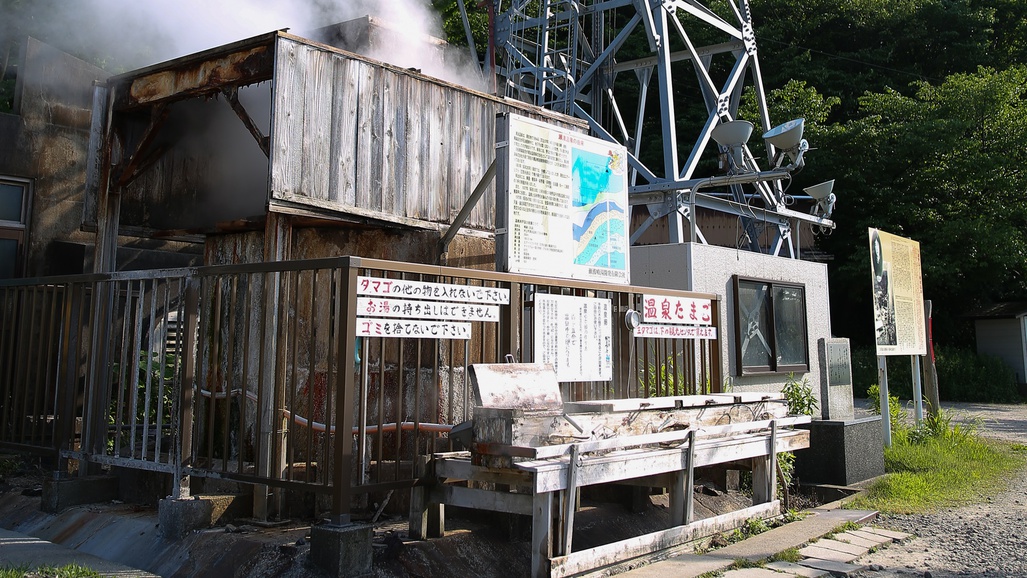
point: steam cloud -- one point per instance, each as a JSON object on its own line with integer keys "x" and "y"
{"x": 122, "y": 35}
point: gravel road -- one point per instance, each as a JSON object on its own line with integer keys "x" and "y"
{"x": 988, "y": 539}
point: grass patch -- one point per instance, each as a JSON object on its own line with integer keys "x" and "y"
{"x": 932, "y": 472}
{"x": 790, "y": 555}
{"x": 69, "y": 571}
{"x": 742, "y": 563}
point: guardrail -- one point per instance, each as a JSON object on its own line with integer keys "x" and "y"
{"x": 249, "y": 372}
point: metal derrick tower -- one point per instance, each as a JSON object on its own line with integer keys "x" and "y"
{"x": 625, "y": 67}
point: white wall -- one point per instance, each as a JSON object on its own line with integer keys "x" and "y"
{"x": 709, "y": 269}
{"x": 1003, "y": 338}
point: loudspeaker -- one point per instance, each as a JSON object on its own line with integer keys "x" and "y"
{"x": 786, "y": 136}
{"x": 821, "y": 191}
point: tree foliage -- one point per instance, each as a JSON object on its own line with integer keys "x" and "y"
{"x": 943, "y": 166}
{"x": 918, "y": 110}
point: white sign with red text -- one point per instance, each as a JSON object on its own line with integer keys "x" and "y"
{"x": 675, "y": 332}
{"x": 424, "y": 310}
{"x": 676, "y": 310}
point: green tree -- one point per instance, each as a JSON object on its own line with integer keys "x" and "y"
{"x": 848, "y": 47}
{"x": 943, "y": 166}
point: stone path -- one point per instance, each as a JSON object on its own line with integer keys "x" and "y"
{"x": 835, "y": 556}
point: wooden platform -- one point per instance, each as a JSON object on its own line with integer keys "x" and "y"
{"x": 542, "y": 482}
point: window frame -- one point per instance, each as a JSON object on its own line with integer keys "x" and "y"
{"x": 18, "y": 230}
{"x": 741, "y": 319}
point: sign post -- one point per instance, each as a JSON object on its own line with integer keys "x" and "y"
{"x": 899, "y": 325}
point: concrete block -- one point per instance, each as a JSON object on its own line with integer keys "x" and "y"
{"x": 177, "y": 518}
{"x": 59, "y": 494}
{"x": 841, "y": 452}
{"x": 343, "y": 551}
{"x": 796, "y": 570}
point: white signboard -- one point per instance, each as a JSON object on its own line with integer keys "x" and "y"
{"x": 424, "y": 310}
{"x": 898, "y": 295}
{"x": 675, "y": 332}
{"x": 427, "y": 309}
{"x": 436, "y": 291}
{"x": 575, "y": 335}
{"x": 416, "y": 329}
{"x": 566, "y": 200}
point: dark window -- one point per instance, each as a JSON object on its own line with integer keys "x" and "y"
{"x": 770, "y": 334}
{"x": 14, "y": 213}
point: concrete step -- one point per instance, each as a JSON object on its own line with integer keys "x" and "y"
{"x": 796, "y": 570}
{"x": 838, "y": 555}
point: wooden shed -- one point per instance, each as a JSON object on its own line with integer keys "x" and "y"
{"x": 1002, "y": 331}
{"x": 279, "y": 133}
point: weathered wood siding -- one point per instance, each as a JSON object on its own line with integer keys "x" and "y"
{"x": 354, "y": 136}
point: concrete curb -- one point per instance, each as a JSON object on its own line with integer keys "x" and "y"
{"x": 19, "y": 550}
{"x": 821, "y": 521}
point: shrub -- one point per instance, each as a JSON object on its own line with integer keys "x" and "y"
{"x": 963, "y": 375}
{"x": 798, "y": 394}
{"x": 896, "y": 413}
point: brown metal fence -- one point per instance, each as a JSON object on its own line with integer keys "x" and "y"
{"x": 266, "y": 363}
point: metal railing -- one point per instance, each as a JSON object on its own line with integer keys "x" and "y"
{"x": 249, "y": 372}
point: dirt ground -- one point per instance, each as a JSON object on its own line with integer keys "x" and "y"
{"x": 982, "y": 540}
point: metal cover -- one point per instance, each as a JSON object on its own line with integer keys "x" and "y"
{"x": 516, "y": 386}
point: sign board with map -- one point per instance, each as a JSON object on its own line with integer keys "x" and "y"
{"x": 561, "y": 203}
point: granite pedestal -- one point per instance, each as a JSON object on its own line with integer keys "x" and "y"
{"x": 841, "y": 452}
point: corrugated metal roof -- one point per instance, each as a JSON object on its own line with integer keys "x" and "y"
{"x": 1004, "y": 310}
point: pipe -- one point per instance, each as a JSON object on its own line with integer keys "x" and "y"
{"x": 320, "y": 427}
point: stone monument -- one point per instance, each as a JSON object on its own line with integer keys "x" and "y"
{"x": 843, "y": 449}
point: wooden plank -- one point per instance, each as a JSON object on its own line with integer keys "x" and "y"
{"x": 487, "y": 500}
{"x": 318, "y": 89}
{"x": 550, "y": 475}
{"x": 659, "y": 543}
{"x": 548, "y": 452}
{"x": 395, "y": 141}
{"x": 286, "y": 124}
{"x": 542, "y": 430}
{"x": 435, "y": 186}
{"x": 344, "y": 118}
{"x": 463, "y": 469}
{"x": 459, "y": 184}
{"x": 623, "y": 442}
{"x": 530, "y": 386}
{"x": 368, "y": 144}
{"x": 653, "y": 403}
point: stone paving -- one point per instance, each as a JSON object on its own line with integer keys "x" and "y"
{"x": 836, "y": 556}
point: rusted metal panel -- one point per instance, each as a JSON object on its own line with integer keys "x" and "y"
{"x": 245, "y": 66}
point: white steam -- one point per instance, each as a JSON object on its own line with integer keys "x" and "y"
{"x": 122, "y": 35}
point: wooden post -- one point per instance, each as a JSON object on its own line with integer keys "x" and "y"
{"x": 427, "y": 516}
{"x": 570, "y": 501}
{"x": 541, "y": 534}
{"x": 930, "y": 371}
{"x": 764, "y": 488}
{"x": 277, "y": 234}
